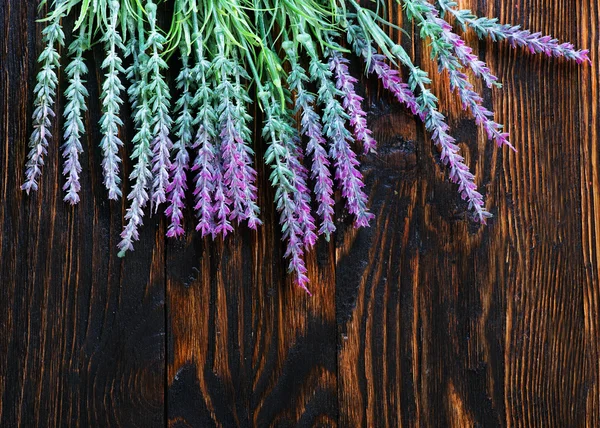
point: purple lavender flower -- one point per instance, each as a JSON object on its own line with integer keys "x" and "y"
{"x": 444, "y": 45}
{"x": 245, "y": 152}
{"x": 458, "y": 80}
{"x": 334, "y": 120}
{"x": 347, "y": 174}
{"x": 483, "y": 117}
{"x": 459, "y": 171}
{"x": 516, "y": 37}
{"x": 239, "y": 175}
{"x": 433, "y": 119}
{"x": 294, "y": 251}
{"x": 176, "y": 190}
{"x": 311, "y": 127}
{"x": 302, "y": 196}
{"x": 111, "y": 104}
{"x": 538, "y": 43}
{"x": 313, "y": 130}
{"x": 390, "y": 78}
{"x": 287, "y": 178}
{"x": 222, "y": 202}
{"x": 76, "y": 94}
{"x": 184, "y": 128}
{"x": 205, "y": 164}
{"x": 465, "y": 54}
{"x": 346, "y": 164}
{"x": 204, "y": 182}
{"x": 233, "y": 167}
{"x": 351, "y": 100}
{"x": 161, "y": 164}
{"x": 45, "y": 90}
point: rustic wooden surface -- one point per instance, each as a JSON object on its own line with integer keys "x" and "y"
{"x": 425, "y": 319}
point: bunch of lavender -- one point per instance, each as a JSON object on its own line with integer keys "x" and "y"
{"x": 231, "y": 53}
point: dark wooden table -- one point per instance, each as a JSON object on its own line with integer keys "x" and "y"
{"x": 425, "y": 319}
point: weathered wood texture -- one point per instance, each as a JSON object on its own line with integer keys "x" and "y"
{"x": 424, "y": 319}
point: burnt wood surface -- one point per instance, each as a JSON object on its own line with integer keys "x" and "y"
{"x": 424, "y": 319}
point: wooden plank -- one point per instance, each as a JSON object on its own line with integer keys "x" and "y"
{"x": 84, "y": 331}
{"x": 246, "y": 347}
{"x": 423, "y": 319}
{"x": 587, "y": 17}
{"x": 444, "y": 323}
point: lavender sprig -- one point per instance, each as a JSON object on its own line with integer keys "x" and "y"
{"x": 142, "y": 152}
{"x": 245, "y": 152}
{"x": 161, "y": 120}
{"x": 284, "y": 177}
{"x": 390, "y": 78}
{"x": 238, "y": 173}
{"x": 465, "y": 54}
{"x": 184, "y": 132}
{"x": 334, "y": 118}
{"x": 313, "y": 130}
{"x": 533, "y": 42}
{"x": 302, "y": 196}
{"x": 111, "y": 101}
{"x": 433, "y": 119}
{"x": 222, "y": 203}
{"x": 45, "y": 90}
{"x": 469, "y": 97}
{"x": 352, "y": 102}
{"x": 205, "y": 162}
{"x": 443, "y": 43}
{"x": 227, "y": 169}
{"x": 75, "y": 94}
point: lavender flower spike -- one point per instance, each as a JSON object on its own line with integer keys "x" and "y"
{"x": 351, "y": 100}
{"x": 302, "y": 196}
{"x": 184, "y": 128}
{"x": 465, "y": 55}
{"x": 285, "y": 179}
{"x": 245, "y": 152}
{"x": 334, "y": 118}
{"x": 222, "y": 202}
{"x": 313, "y": 130}
{"x": 161, "y": 145}
{"x": 206, "y": 118}
{"x": 204, "y": 182}
{"x": 141, "y": 175}
{"x": 459, "y": 171}
{"x": 111, "y": 101}
{"x": 74, "y": 110}
{"x": 444, "y": 43}
{"x": 533, "y": 42}
{"x": 434, "y": 123}
{"x": 45, "y": 88}
{"x": 458, "y": 80}
{"x": 390, "y": 78}
{"x": 238, "y": 174}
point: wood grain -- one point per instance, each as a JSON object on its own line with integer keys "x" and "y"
{"x": 84, "y": 331}
{"x": 424, "y": 319}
